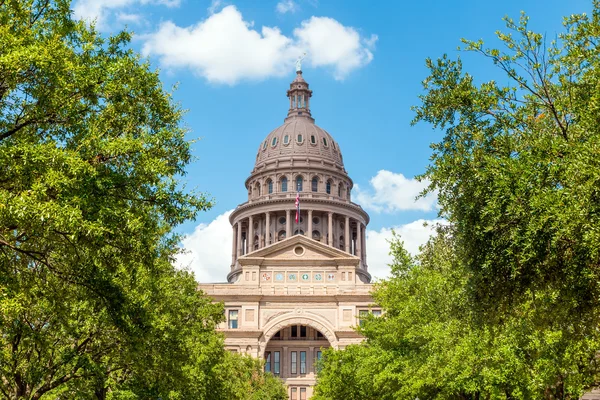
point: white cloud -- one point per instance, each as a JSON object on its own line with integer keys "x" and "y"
{"x": 286, "y": 6}
{"x": 413, "y": 234}
{"x": 101, "y": 11}
{"x": 391, "y": 192}
{"x": 208, "y": 250}
{"x": 129, "y": 18}
{"x": 331, "y": 44}
{"x": 214, "y": 6}
{"x": 224, "y": 48}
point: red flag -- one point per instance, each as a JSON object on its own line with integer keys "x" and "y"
{"x": 297, "y": 206}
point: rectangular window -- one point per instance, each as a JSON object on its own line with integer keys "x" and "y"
{"x": 302, "y": 393}
{"x": 268, "y": 361}
{"x": 276, "y": 362}
{"x": 294, "y": 362}
{"x": 362, "y": 316}
{"x": 233, "y": 319}
{"x": 302, "y": 331}
{"x": 294, "y": 331}
{"x": 294, "y": 394}
{"x": 317, "y": 360}
{"x": 302, "y": 362}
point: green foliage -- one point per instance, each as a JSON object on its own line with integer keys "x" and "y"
{"x": 430, "y": 344}
{"x": 503, "y": 303}
{"x": 91, "y": 153}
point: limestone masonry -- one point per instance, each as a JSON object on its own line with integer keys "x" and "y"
{"x": 296, "y": 287}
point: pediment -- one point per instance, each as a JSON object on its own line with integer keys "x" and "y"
{"x": 298, "y": 249}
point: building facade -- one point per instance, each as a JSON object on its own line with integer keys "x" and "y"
{"x": 299, "y": 280}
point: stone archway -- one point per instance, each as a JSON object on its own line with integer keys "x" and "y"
{"x": 299, "y": 317}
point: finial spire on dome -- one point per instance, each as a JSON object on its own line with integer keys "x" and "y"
{"x": 299, "y": 95}
{"x": 299, "y": 62}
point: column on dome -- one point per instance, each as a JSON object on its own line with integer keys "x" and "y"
{"x": 233, "y": 244}
{"x": 358, "y": 239}
{"x": 267, "y": 229}
{"x": 309, "y": 226}
{"x": 250, "y": 238}
{"x": 239, "y": 239}
{"x": 330, "y": 228}
{"x": 347, "y": 234}
{"x": 364, "y": 247}
{"x": 288, "y": 224}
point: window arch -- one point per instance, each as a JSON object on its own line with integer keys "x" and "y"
{"x": 314, "y": 185}
{"x": 299, "y": 181}
{"x": 284, "y": 184}
{"x": 269, "y": 186}
{"x": 281, "y": 235}
{"x": 328, "y": 186}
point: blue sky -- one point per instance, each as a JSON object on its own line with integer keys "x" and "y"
{"x": 232, "y": 62}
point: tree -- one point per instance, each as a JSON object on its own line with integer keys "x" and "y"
{"x": 91, "y": 155}
{"x": 503, "y": 303}
{"x": 429, "y": 343}
{"x": 517, "y": 171}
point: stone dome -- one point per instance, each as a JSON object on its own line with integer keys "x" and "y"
{"x": 299, "y": 138}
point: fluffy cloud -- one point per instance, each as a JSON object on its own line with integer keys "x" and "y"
{"x": 101, "y": 10}
{"x": 224, "y": 48}
{"x": 286, "y": 6}
{"x": 414, "y": 234}
{"x": 208, "y": 250}
{"x": 391, "y": 192}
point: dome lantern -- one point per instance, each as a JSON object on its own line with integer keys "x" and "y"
{"x": 299, "y": 95}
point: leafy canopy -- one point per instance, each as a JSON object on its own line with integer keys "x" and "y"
{"x": 92, "y": 151}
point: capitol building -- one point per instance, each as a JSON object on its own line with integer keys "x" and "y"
{"x": 299, "y": 280}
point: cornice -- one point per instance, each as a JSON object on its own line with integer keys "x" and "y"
{"x": 304, "y": 201}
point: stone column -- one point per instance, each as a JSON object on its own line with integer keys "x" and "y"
{"x": 330, "y": 228}
{"x": 309, "y": 224}
{"x": 250, "y": 240}
{"x": 268, "y": 229}
{"x": 358, "y": 239}
{"x": 288, "y": 224}
{"x": 364, "y": 246}
{"x": 347, "y": 234}
{"x": 233, "y": 244}
{"x": 239, "y": 239}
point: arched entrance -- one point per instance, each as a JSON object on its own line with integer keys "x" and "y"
{"x": 292, "y": 353}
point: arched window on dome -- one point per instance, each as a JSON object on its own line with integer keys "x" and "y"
{"x": 299, "y": 139}
{"x": 299, "y": 181}
{"x": 274, "y": 142}
{"x": 313, "y": 139}
{"x": 314, "y": 185}
{"x": 257, "y": 189}
{"x": 328, "y": 186}
{"x": 269, "y": 186}
{"x": 286, "y": 139}
{"x": 325, "y": 142}
{"x": 284, "y": 184}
